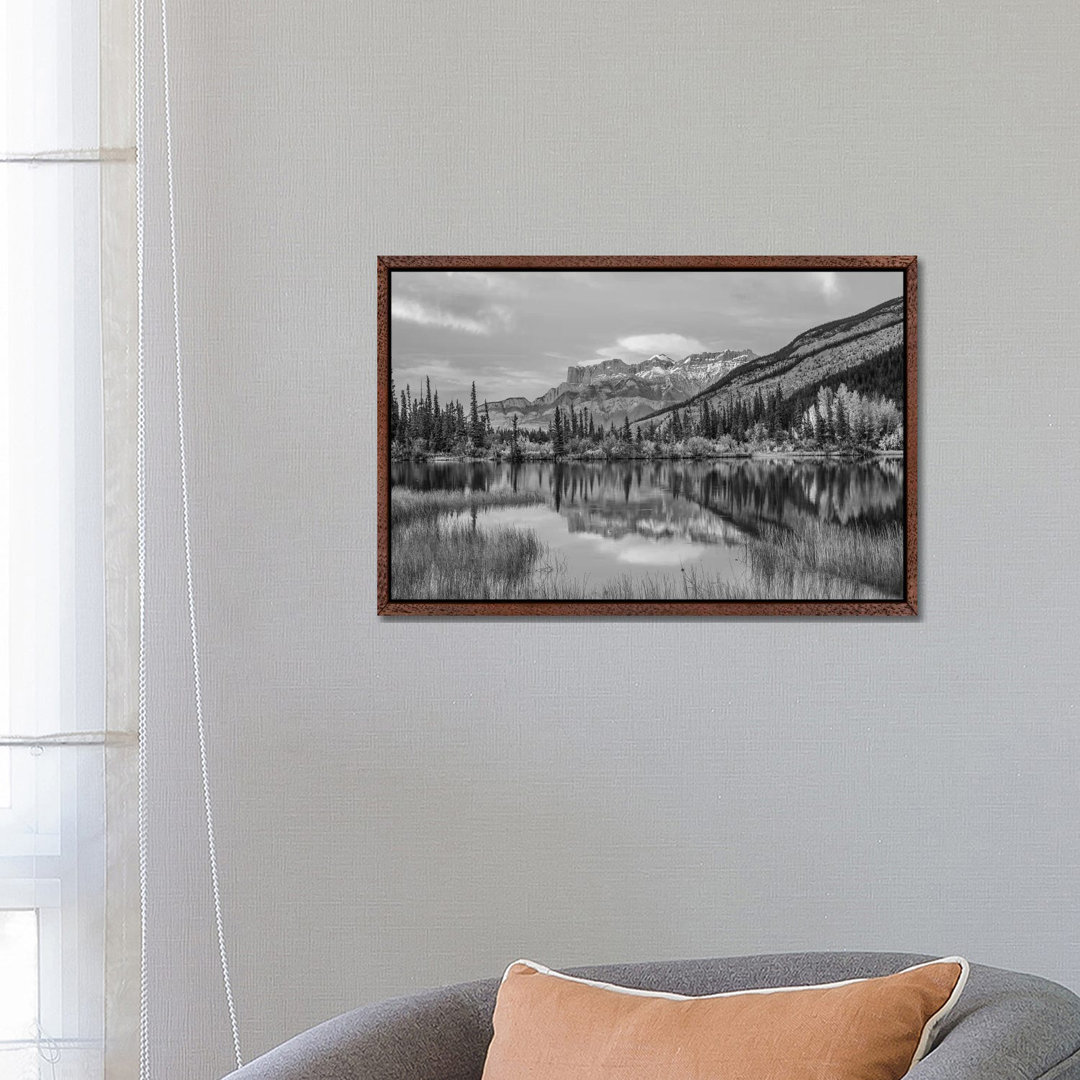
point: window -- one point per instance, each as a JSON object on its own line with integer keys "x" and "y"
{"x": 52, "y": 578}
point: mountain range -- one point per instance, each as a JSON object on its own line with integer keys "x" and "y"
{"x": 613, "y": 390}
{"x": 853, "y": 348}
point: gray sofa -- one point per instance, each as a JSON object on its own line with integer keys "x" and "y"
{"x": 1005, "y": 1026}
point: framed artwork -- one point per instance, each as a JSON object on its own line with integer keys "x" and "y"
{"x": 647, "y": 435}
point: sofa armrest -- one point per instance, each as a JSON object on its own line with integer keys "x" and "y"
{"x": 438, "y": 1035}
{"x": 1007, "y": 1026}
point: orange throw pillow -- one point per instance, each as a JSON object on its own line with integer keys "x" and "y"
{"x": 550, "y": 1026}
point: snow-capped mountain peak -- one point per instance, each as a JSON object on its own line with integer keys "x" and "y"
{"x": 613, "y": 389}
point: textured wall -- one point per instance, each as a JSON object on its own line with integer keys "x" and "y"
{"x": 413, "y": 802}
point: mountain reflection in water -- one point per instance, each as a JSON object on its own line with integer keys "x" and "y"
{"x": 699, "y": 502}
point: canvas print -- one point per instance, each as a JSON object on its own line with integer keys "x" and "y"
{"x": 652, "y": 436}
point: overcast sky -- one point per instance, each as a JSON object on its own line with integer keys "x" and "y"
{"x": 516, "y": 332}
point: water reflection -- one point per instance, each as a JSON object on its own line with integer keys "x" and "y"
{"x": 711, "y": 502}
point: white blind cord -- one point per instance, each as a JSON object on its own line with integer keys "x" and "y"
{"x": 140, "y": 199}
{"x": 140, "y": 454}
{"x": 211, "y": 847}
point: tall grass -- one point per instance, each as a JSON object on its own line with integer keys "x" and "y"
{"x": 692, "y": 584}
{"x": 868, "y": 556}
{"x": 407, "y": 505}
{"x": 438, "y": 553}
{"x": 453, "y": 560}
{"x": 819, "y": 561}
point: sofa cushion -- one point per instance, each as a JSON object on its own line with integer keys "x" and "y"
{"x": 551, "y": 1026}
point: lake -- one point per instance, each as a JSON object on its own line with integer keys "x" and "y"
{"x": 646, "y": 528}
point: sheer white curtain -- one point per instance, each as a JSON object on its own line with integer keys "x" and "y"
{"x": 54, "y": 202}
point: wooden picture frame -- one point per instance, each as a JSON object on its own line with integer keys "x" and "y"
{"x": 897, "y": 319}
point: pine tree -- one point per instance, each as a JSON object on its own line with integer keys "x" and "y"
{"x": 825, "y": 412}
{"x": 840, "y": 424}
{"x": 759, "y": 408}
{"x": 626, "y": 433}
{"x": 423, "y": 408}
{"x": 557, "y": 434}
{"x": 476, "y": 429}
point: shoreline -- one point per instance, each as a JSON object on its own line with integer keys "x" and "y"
{"x": 734, "y": 455}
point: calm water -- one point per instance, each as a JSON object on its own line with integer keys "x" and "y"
{"x": 605, "y": 520}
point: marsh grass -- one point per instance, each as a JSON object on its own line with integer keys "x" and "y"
{"x": 440, "y": 553}
{"x": 454, "y": 560}
{"x": 407, "y": 506}
{"x": 820, "y": 561}
{"x": 691, "y": 584}
{"x": 864, "y": 557}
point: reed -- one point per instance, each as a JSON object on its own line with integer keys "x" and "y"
{"x": 439, "y": 552}
{"x": 407, "y": 506}
{"x": 867, "y": 556}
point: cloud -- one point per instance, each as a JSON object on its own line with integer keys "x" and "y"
{"x": 583, "y": 277}
{"x": 675, "y": 345}
{"x": 521, "y": 376}
{"x": 480, "y": 281}
{"x": 828, "y": 281}
{"x": 485, "y": 321}
{"x": 438, "y": 369}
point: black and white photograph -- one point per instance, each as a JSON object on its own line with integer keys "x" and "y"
{"x": 649, "y": 435}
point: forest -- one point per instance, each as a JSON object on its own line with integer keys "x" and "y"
{"x": 857, "y": 411}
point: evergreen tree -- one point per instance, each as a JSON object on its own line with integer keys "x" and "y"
{"x": 557, "y": 434}
{"x": 825, "y": 413}
{"x": 840, "y": 423}
{"x": 423, "y": 408}
{"x": 772, "y": 411}
{"x": 759, "y": 408}
{"x": 476, "y": 429}
{"x": 626, "y": 433}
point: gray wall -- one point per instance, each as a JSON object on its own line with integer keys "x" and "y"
{"x": 408, "y": 803}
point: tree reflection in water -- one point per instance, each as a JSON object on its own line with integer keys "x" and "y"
{"x": 706, "y": 502}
